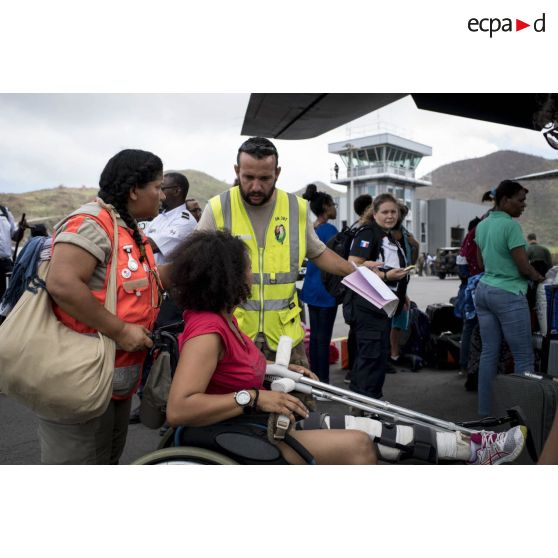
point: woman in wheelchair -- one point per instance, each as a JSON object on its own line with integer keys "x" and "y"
{"x": 210, "y": 275}
{"x": 218, "y": 382}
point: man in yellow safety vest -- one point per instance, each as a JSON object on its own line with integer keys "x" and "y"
{"x": 276, "y": 227}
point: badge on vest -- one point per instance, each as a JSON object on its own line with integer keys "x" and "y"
{"x": 132, "y": 263}
{"x": 280, "y": 234}
{"x": 185, "y": 215}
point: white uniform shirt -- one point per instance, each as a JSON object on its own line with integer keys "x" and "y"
{"x": 168, "y": 229}
{"x": 7, "y": 228}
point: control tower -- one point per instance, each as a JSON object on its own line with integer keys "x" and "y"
{"x": 378, "y": 164}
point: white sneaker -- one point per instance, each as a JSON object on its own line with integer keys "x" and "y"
{"x": 497, "y": 448}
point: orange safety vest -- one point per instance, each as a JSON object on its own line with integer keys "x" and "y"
{"x": 137, "y": 295}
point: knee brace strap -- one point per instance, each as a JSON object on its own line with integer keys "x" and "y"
{"x": 424, "y": 445}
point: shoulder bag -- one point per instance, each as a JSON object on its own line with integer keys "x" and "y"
{"x": 58, "y": 373}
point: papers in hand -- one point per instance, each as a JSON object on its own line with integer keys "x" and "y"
{"x": 369, "y": 286}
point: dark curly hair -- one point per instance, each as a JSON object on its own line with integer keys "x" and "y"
{"x": 208, "y": 272}
{"x": 128, "y": 168}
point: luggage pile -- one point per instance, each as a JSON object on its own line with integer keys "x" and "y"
{"x": 434, "y": 338}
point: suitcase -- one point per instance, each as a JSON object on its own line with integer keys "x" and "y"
{"x": 443, "y": 319}
{"x": 536, "y": 397}
{"x": 549, "y": 353}
{"x": 443, "y": 351}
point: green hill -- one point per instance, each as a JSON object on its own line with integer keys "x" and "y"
{"x": 202, "y": 185}
{"x": 52, "y": 204}
{"x": 467, "y": 180}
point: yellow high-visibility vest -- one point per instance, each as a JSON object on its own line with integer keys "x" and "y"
{"x": 273, "y": 304}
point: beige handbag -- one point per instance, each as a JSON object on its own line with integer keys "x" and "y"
{"x": 60, "y": 374}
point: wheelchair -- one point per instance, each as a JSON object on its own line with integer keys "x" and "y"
{"x": 239, "y": 441}
{"x": 246, "y": 440}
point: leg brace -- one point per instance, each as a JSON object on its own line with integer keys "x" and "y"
{"x": 395, "y": 442}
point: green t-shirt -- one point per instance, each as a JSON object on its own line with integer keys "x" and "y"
{"x": 497, "y": 236}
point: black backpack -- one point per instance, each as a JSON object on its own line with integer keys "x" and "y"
{"x": 341, "y": 245}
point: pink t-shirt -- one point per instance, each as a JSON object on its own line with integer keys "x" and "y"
{"x": 243, "y": 364}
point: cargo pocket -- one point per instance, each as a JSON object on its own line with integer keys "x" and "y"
{"x": 289, "y": 314}
{"x": 289, "y": 325}
{"x": 369, "y": 344}
{"x": 136, "y": 285}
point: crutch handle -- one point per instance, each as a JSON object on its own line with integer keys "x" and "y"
{"x": 286, "y": 385}
{"x": 282, "y": 372}
{"x": 283, "y": 385}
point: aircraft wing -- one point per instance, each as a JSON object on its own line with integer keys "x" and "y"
{"x": 307, "y": 115}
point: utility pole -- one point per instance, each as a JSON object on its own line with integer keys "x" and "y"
{"x": 351, "y": 195}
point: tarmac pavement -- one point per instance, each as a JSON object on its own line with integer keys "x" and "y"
{"x": 438, "y": 393}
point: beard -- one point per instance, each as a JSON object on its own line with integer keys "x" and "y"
{"x": 260, "y": 199}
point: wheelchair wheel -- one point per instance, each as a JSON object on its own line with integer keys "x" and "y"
{"x": 167, "y": 440}
{"x": 184, "y": 456}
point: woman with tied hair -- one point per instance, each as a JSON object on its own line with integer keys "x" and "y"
{"x": 372, "y": 325}
{"x": 500, "y": 297}
{"x": 322, "y": 307}
{"x": 130, "y": 185}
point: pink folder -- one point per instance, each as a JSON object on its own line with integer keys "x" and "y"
{"x": 368, "y": 285}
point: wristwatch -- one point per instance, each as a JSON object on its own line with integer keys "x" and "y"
{"x": 243, "y": 399}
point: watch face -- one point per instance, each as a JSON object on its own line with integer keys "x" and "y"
{"x": 243, "y": 398}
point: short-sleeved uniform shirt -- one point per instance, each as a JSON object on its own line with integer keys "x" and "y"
{"x": 85, "y": 232}
{"x": 168, "y": 229}
{"x": 243, "y": 364}
{"x": 497, "y": 236}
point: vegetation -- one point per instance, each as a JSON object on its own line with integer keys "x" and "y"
{"x": 468, "y": 180}
{"x": 51, "y": 205}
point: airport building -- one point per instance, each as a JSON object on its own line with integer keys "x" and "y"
{"x": 386, "y": 162}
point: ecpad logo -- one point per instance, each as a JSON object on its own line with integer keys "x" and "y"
{"x": 494, "y": 24}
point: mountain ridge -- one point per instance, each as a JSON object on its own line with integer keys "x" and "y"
{"x": 464, "y": 180}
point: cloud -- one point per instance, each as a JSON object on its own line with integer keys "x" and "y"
{"x": 51, "y": 139}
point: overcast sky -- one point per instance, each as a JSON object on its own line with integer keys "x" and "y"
{"x": 52, "y": 139}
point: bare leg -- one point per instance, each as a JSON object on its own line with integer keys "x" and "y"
{"x": 333, "y": 447}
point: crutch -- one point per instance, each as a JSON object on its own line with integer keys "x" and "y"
{"x": 285, "y": 380}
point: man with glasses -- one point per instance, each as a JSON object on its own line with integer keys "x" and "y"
{"x": 277, "y": 229}
{"x": 164, "y": 233}
{"x": 175, "y": 222}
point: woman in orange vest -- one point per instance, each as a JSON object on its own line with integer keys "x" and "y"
{"x": 77, "y": 282}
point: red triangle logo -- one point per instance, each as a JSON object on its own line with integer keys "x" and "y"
{"x": 519, "y": 25}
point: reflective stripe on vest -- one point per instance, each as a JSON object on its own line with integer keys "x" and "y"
{"x": 273, "y": 305}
